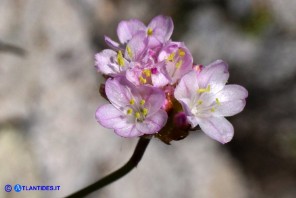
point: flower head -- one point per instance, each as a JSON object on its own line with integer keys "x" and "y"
{"x": 206, "y": 100}
{"x": 134, "y": 110}
{"x": 154, "y": 87}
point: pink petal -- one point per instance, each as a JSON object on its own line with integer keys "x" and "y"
{"x": 153, "y": 123}
{"x": 187, "y": 87}
{"x": 127, "y": 29}
{"x": 110, "y": 117}
{"x": 186, "y": 60}
{"x": 186, "y": 67}
{"x": 232, "y": 92}
{"x": 230, "y": 108}
{"x": 154, "y": 42}
{"x": 154, "y": 98}
{"x": 133, "y": 75}
{"x": 232, "y": 100}
{"x": 193, "y": 121}
{"x": 137, "y": 46}
{"x": 217, "y": 128}
{"x": 162, "y": 27}
{"x": 112, "y": 44}
{"x": 104, "y": 62}
{"x": 169, "y": 48}
{"x": 216, "y": 75}
{"x": 128, "y": 131}
{"x": 118, "y": 92}
{"x": 159, "y": 80}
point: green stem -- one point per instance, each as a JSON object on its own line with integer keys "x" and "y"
{"x": 132, "y": 163}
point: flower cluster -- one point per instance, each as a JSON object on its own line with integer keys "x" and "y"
{"x": 154, "y": 88}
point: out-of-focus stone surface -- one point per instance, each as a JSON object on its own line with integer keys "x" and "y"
{"x": 18, "y": 165}
{"x": 195, "y": 167}
{"x": 49, "y": 97}
{"x": 261, "y": 57}
{"x": 210, "y": 36}
{"x": 285, "y": 14}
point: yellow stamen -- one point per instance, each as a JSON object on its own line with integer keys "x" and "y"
{"x": 181, "y": 52}
{"x": 142, "y": 102}
{"x": 178, "y": 64}
{"x": 142, "y": 80}
{"x": 199, "y": 102}
{"x": 171, "y": 57}
{"x": 120, "y": 59}
{"x": 137, "y": 115}
{"x": 213, "y": 109}
{"x": 132, "y": 101}
{"x": 145, "y": 111}
{"x": 149, "y": 31}
{"x": 129, "y": 51}
{"x": 217, "y": 101}
{"x": 129, "y": 111}
{"x": 201, "y": 90}
{"x": 147, "y": 72}
{"x": 208, "y": 88}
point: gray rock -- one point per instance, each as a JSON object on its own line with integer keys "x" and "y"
{"x": 18, "y": 165}
{"x": 284, "y": 13}
{"x": 194, "y": 167}
{"x": 210, "y": 37}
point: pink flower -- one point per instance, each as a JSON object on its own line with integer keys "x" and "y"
{"x": 206, "y": 100}
{"x": 178, "y": 60}
{"x": 134, "y": 110}
{"x": 112, "y": 62}
{"x": 158, "y": 31}
{"x": 145, "y": 68}
{"x": 137, "y": 57}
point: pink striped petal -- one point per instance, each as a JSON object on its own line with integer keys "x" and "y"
{"x": 218, "y": 128}
{"x": 112, "y": 44}
{"x": 216, "y": 75}
{"x": 232, "y": 92}
{"x": 117, "y": 91}
{"x": 110, "y": 117}
{"x": 153, "y": 123}
{"x": 128, "y": 131}
{"x": 162, "y": 28}
{"x": 230, "y": 108}
{"x": 187, "y": 87}
{"x": 105, "y": 64}
{"x": 127, "y": 29}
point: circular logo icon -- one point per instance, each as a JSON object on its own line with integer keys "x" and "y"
{"x": 17, "y": 188}
{"x": 8, "y": 188}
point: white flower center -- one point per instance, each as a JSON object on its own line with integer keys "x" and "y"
{"x": 201, "y": 108}
{"x": 137, "y": 110}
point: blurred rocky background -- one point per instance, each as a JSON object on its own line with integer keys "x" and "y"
{"x": 49, "y": 91}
